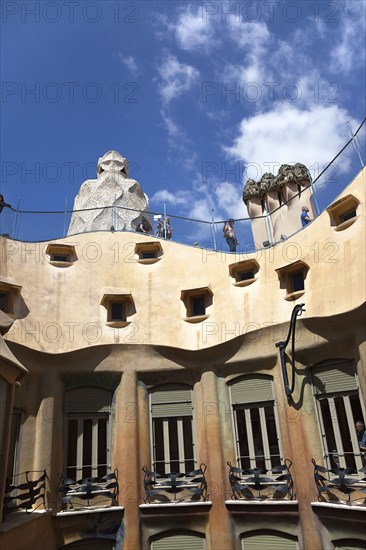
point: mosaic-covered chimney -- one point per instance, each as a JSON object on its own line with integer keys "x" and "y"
{"x": 94, "y": 208}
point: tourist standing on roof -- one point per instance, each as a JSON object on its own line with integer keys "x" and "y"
{"x": 230, "y": 236}
{"x": 305, "y": 216}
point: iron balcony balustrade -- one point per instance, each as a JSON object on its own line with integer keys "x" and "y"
{"x": 27, "y": 495}
{"x": 348, "y": 487}
{"x": 175, "y": 487}
{"x": 255, "y": 485}
{"x": 89, "y": 492}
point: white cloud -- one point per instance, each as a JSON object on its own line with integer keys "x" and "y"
{"x": 349, "y": 51}
{"x": 130, "y": 63}
{"x": 287, "y": 134}
{"x": 250, "y": 35}
{"x": 229, "y": 199}
{"x": 180, "y": 197}
{"x": 191, "y": 31}
{"x": 175, "y": 78}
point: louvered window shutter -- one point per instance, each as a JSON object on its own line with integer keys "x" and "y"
{"x": 179, "y": 542}
{"x": 339, "y": 377}
{"x": 88, "y": 400}
{"x": 268, "y": 542}
{"x": 350, "y": 545}
{"x": 251, "y": 390}
{"x": 171, "y": 401}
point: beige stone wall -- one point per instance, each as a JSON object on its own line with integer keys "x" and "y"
{"x": 65, "y": 311}
{"x": 70, "y": 338}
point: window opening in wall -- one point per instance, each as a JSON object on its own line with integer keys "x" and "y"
{"x": 348, "y": 215}
{"x": 88, "y": 445}
{"x": 339, "y": 407}
{"x": 172, "y": 430}
{"x": 3, "y": 301}
{"x": 297, "y": 280}
{"x": 279, "y": 196}
{"x": 245, "y": 275}
{"x": 117, "y": 311}
{"x": 198, "y": 305}
{"x": 148, "y": 255}
{"x": 60, "y": 258}
{"x": 256, "y": 424}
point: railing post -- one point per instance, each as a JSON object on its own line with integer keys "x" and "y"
{"x": 15, "y": 221}
{"x": 65, "y": 215}
{"x": 213, "y": 227}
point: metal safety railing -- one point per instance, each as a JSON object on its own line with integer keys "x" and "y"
{"x": 326, "y": 184}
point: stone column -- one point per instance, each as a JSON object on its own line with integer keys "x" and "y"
{"x": 210, "y": 444}
{"x": 48, "y": 452}
{"x": 126, "y": 458}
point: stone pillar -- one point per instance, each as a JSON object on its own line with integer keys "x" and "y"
{"x": 126, "y": 458}
{"x": 48, "y": 452}
{"x": 210, "y": 444}
{"x": 297, "y": 431}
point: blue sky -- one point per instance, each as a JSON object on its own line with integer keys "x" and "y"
{"x": 197, "y": 95}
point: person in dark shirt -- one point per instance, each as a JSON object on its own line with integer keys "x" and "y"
{"x": 361, "y": 435}
{"x": 3, "y": 203}
{"x": 143, "y": 227}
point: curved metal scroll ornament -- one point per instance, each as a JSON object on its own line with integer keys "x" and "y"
{"x": 298, "y": 309}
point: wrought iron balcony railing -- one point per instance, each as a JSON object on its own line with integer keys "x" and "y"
{"x": 27, "y": 495}
{"x": 254, "y": 484}
{"x": 342, "y": 489}
{"x": 89, "y": 492}
{"x": 175, "y": 487}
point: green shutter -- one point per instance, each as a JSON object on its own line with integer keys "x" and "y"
{"x": 173, "y": 400}
{"x": 360, "y": 546}
{"x": 251, "y": 390}
{"x": 339, "y": 377}
{"x": 88, "y": 400}
{"x": 269, "y": 542}
{"x": 350, "y": 545}
{"x": 179, "y": 542}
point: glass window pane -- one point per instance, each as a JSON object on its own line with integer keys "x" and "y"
{"x": 159, "y": 445}
{"x": 242, "y": 439}
{"x": 329, "y": 432}
{"x": 87, "y": 447}
{"x": 188, "y": 443}
{"x": 257, "y": 438}
{"x": 272, "y": 435}
{"x": 173, "y": 445}
{"x": 345, "y": 433}
{"x": 102, "y": 447}
{"x": 71, "y": 448}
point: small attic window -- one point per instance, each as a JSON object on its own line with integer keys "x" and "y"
{"x": 149, "y": 252}
{"x": 343, "y": 212}
{"x": 9, "y": 295}
{"x": 61, "y": 255}
{"x": 292, "y": 279}
{"x": 3, "y": 301}
{"x": 244, "y": 272}
{"x": 197, "y": 301}
{"x": 119, "y": 308}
